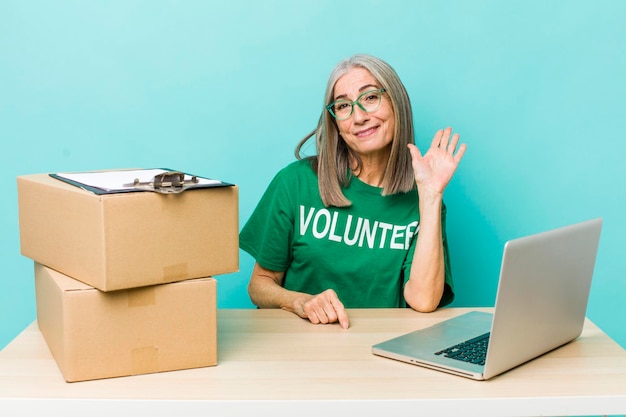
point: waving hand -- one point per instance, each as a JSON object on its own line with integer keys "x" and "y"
{"x": 434, "y": 169}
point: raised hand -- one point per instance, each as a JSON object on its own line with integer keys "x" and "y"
{"x": 434, "y": 170}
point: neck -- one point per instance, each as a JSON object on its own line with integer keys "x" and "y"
{"x": 371, "y": 172}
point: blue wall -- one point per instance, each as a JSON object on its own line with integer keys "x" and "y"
{"x": 226, "y": 89}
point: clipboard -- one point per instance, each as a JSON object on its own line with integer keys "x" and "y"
{"x": 159, "y": 180}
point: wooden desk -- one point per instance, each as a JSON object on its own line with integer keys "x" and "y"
{"x": 273, "y": 363}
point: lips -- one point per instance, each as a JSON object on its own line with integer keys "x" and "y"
{"x": 366, "y": 132}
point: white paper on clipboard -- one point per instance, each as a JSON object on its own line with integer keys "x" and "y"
{"x": 126, "y": 180}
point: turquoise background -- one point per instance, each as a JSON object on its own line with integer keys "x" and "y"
{"x": 537, "y": 90}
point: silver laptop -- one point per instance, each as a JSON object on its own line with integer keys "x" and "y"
{"x": 541, "y": 304}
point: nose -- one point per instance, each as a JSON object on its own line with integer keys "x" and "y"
{"x": 359, "y": 115}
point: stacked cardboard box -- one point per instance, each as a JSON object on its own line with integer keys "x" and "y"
{"x": 124, "y": 281}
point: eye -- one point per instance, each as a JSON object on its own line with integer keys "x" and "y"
{"x": 341, "y": 106}
{"x": 371, "y": 97}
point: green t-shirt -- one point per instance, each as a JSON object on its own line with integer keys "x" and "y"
{"x": 363, "y": 251}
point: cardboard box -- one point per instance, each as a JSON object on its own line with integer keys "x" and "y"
{"x": 94, "y": 335}
{"x": 128, "y": 240}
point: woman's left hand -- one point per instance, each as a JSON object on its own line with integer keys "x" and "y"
{"x": 434, "y": 170}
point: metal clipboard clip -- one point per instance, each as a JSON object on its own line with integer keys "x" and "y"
{"x": 169, "y": 182}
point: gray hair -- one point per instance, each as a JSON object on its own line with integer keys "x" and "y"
{"x": 333, "y": 155}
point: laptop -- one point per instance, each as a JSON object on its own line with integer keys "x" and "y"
{"x": 541, "y": 303}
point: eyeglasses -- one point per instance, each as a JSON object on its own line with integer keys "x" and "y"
{"x": 369, "y": 101}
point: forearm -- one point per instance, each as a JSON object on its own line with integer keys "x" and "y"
{"x": 266, "y": 291}
{"x": 424, "y": 289}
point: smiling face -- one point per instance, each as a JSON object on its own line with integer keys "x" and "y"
{"x": 368, "y": 134}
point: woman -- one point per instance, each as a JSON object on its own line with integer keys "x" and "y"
{"x": 362, "y": 223}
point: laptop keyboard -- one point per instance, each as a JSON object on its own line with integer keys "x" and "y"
{"x": 472, "y": 350}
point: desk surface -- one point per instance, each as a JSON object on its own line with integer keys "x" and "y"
{"x": 269, "y": 358}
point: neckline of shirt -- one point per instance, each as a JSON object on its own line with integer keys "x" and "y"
{"x": 363, "y": 186}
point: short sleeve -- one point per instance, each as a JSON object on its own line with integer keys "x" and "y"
{"x": 268, "y": 233}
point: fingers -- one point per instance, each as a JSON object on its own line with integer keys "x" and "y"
{"x": 342, "y": 316}
{"x": 443, "y": 141}
{"x": 445, "y": 138}
{"x": 326, "y": 308}
{"x": 437, "y": 139}
{"x": 414, "y": 151}
{"x": 460, "y": 153}
{"x": 442, "y": 138}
